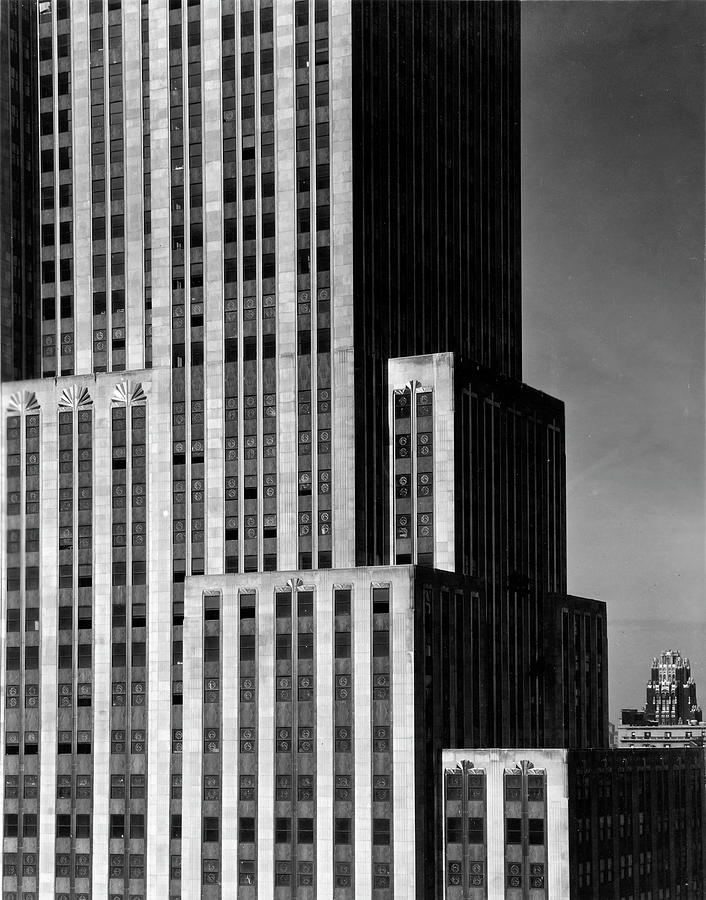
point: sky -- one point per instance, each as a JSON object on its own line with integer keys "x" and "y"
{"x": 613, "y": 308}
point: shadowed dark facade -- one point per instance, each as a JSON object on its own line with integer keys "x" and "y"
{"x": 19, "y": 238}
{"x": 583, "y": 656}
{"x": 636, "y": 823}
{"x": 436, "y": 206}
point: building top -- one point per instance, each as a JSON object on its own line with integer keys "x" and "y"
{"x": 670, "y": 694}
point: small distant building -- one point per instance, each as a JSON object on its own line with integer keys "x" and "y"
{"x": 671, "y": 691}
{"x": 583, "y": 824}
{"x": 671, "y": 716}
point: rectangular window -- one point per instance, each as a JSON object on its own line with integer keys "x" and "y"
{"x": 211, "y": 829}
{"x": 453, "y": 830}
{"x": 381, "y": 643}
{"x": 343, "y": 644}
{"x": 246, "y": 829}
{"x": 381, "y": 832}
{"x": 513, "y": 831}
{"x": 284, "y": 646}
{"x": 137, "y": 826}
{"x": 305, "y": 831}
{"x": 306, "y": 645}
{"x": 342, "y": 600}
{"x": 117, "y": 792}
{"x": 83, "y": 825}
{"x": 247, "y": 646}
{"x": 283, "y": 830}
{"x": 283, "y": 605}
{"x": 381, "y": 601}
{"x": 536, "y": 831}
{"x": 175, "y": 826}
{"x": 211, "y": 648}
{"x": 475, "y": 831}
{"x": 342, "y": 831}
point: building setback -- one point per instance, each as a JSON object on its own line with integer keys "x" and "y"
{"x": 280, "y": 520}
{"x": 573, "y": 823}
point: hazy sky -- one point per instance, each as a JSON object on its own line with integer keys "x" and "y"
{"x": 613, "y": 270}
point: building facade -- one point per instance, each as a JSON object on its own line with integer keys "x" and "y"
{"x": 276, "y": 430}
{"x": 573, "y": 823}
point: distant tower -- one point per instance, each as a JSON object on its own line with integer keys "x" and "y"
{"x": 671, "y": 691}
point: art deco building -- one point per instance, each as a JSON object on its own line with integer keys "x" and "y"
{"x": 671, "y": 716}
{"x": 280, "y": 520}
{"x": 671, "y": 691}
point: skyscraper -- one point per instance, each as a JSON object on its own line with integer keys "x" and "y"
{"x": 281, "y": 520}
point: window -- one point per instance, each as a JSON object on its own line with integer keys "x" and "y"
{"x": 343, "y": 644}
{"x": 305, "y": 831}
{"x": 117, "y": 792}
{"x": 175, "y": 826}
{"x": 306, "y": 645}
{"x": 139, "y": 653}
{"x": 247, "y": 606}
{"x": 536, "y": 831}
{"x": 10, "y": 828}
{"x": 342, "y": 831}
{"x": 246, "y": 829}
{"x": 211, "y": 829}
{"x": 284, "y": 646}
{"x": 211, "y": 648}
{"x": 342, "y": 600}
{"x": 381, "y": 643}
{"x": 283, "y": 605}
{"x": 83, "y": 825}
{"x": 247, "y": 646}
{"x": 453, "y": 830}
{"x": 475, "y": 831}
{"x": 513, "y": 831}
{"x": 137, "y": 787}
{"x": 381, "y": 601}
{"x": 84, "y": 656}
{"x": 381, "y": 832}
{"x": 283, "y": 830}
{"x": 137, "y": 825}
{"x": 29, "y": 825}
{"x": 118, "y": 655}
